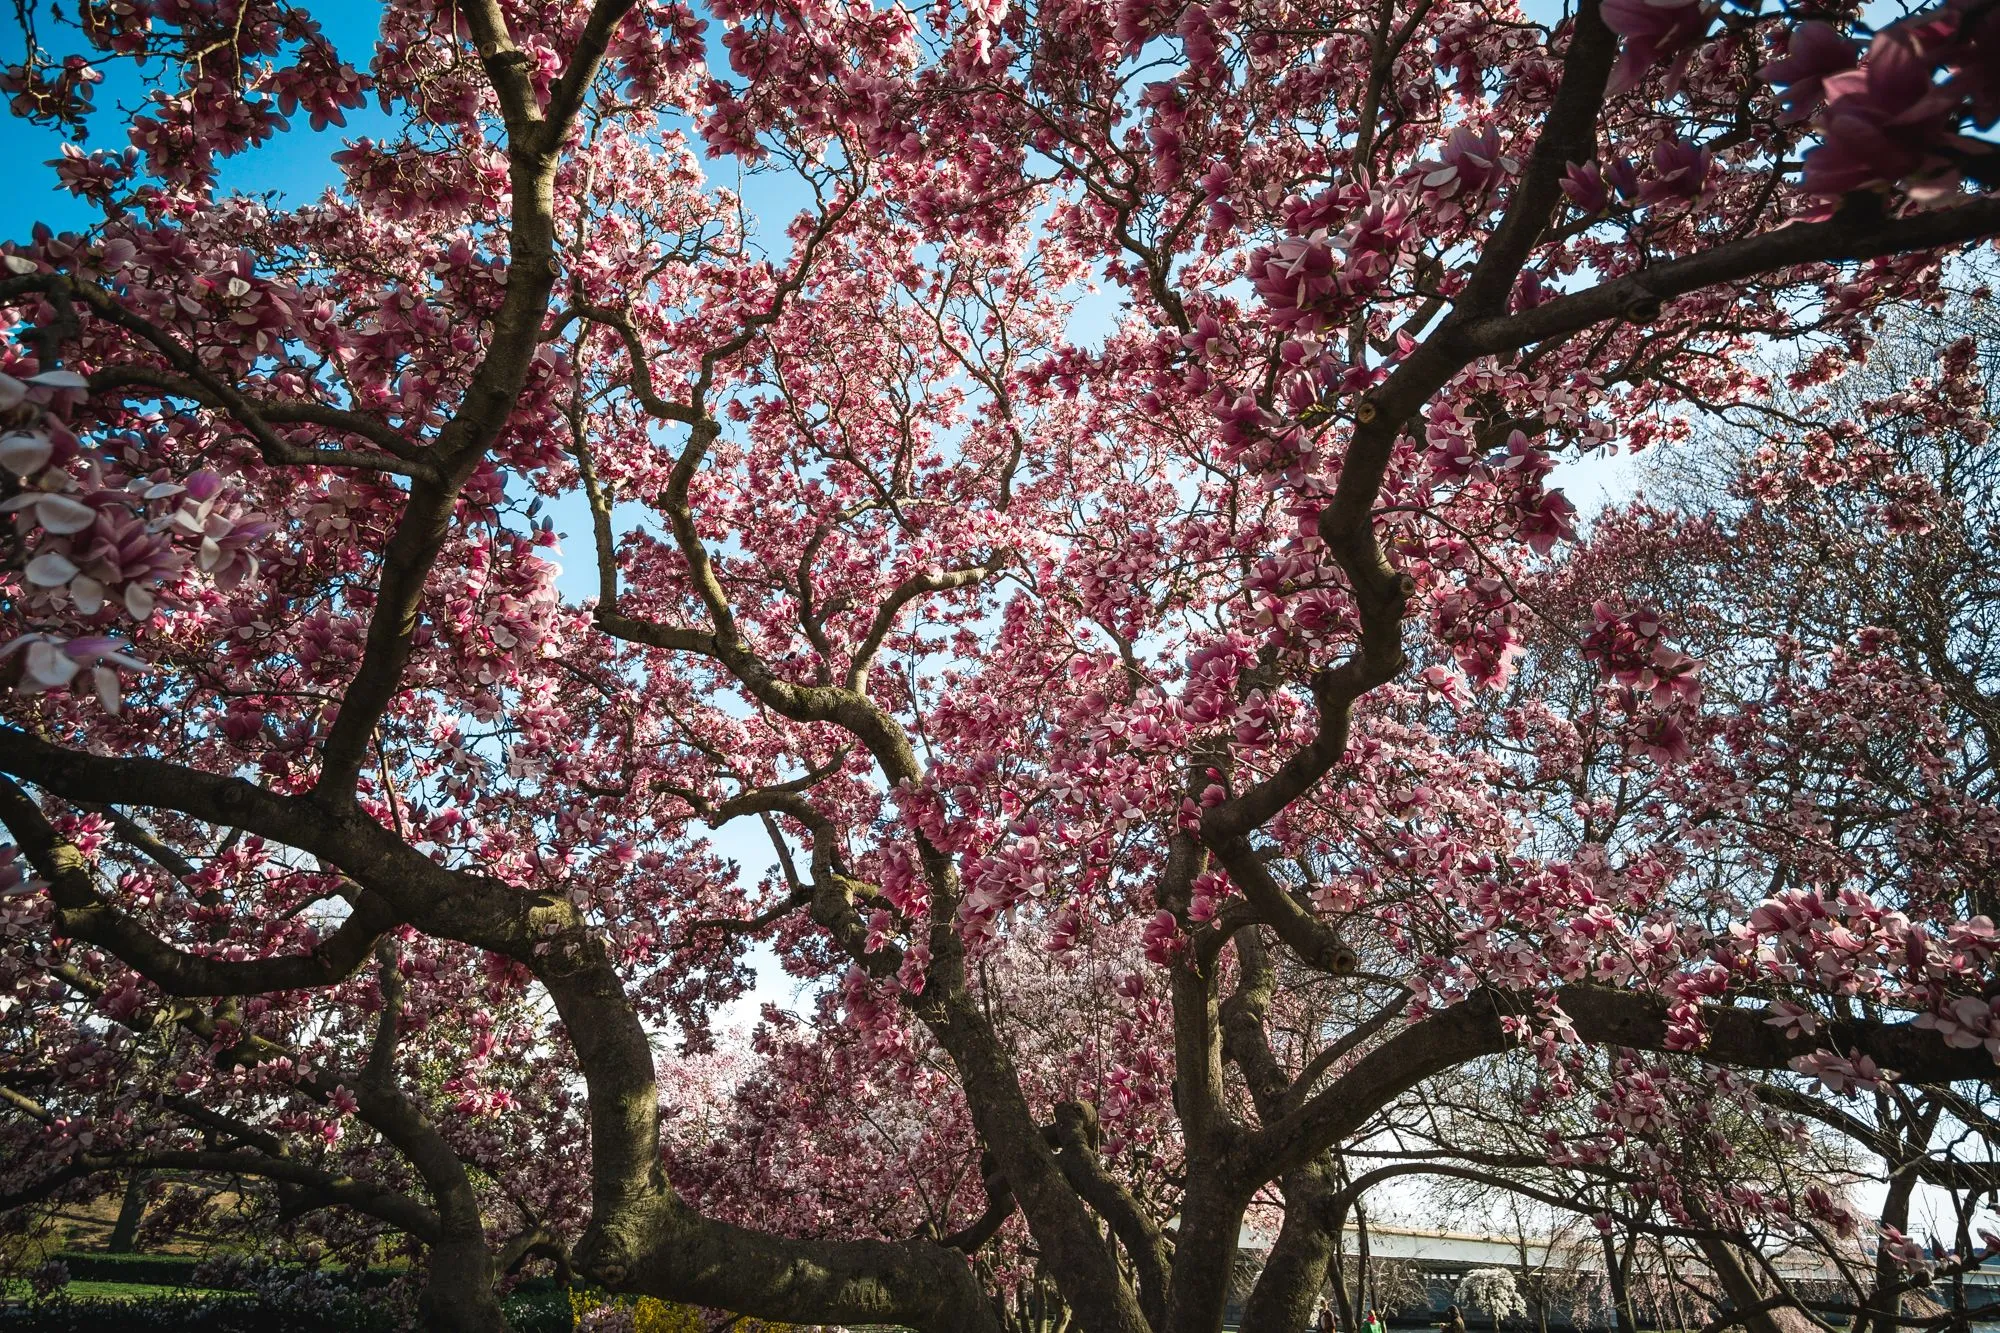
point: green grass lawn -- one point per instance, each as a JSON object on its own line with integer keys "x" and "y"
{"x": 108, "y": 1291}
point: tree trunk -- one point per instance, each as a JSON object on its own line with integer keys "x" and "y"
{"x": 1065, "y": 1228}
{"x": 672, "y": 1252}
{"x": 1614, "y": 1277}
{"x": 1282, "y": 1300}
{"x": 1535, "y": 1293}
{"x": 131, "y": 1212}
{"x": 1879, "y": 1312}
{"x": 1038, "y": 1308}
{"x": 1738, "y": 1286}
{"x": 1668, "y": 1275}
{"x": 1204, "y": 1260}
{"x": 1367, "y": 1278}
{"x": 458, "y": 1288}
{"x": 1337, "y": 1271}
{"x": 1625, "y": 1258}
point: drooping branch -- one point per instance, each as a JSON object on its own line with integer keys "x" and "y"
{"x": 84, "y": 912}
{"x": 191, "y": 379}
{"x": 223, "y": 1124}
{"x": 142, "y": 840}
{"x": 262, "y": 1153}
{"x": 1902, "y": 1158}
{"x": 344, "y": 1191}
{"x": 405, "y": 458}
{"x": 642, "y": 1238}
{"x": 1601, "y": 1016}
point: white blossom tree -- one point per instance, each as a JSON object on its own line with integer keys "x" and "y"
{"x": 1491, "y": 1290}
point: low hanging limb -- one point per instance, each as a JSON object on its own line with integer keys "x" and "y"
{"x": 87, "y": 914}
{"x": 325, "y": 1187}
{"x": 381, "y": 1105}
{"x": 536, "y": 1241}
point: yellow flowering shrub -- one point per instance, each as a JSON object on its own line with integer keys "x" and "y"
{"x": 656, "y": 1316}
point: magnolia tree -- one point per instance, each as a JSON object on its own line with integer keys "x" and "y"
{"x": 1130, "y": 701}
{"x": 1876, "y": 571}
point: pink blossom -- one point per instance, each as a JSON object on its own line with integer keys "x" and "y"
{"x": 1654, "y": 30}
{"x": 1884, "y": 122}
{"x": 1814, "y": 52}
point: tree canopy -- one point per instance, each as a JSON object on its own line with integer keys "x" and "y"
{"x": 1105, "y": 538}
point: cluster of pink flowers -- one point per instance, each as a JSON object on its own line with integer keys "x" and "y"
{"x": 1312, "y": 283}
{"x": 1658, "y": 687}
{"x": 1677, "y": 171}
{"x": 1653, "y": 31}
{"x": 1885, "y": 117}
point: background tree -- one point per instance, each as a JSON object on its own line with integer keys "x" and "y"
{"x": 1491, "y": 1290}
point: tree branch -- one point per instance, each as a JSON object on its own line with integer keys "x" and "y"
{"x": 1601, "y": 1016}
{"x": 85, "y": 913}
{"x": 1850, "y": 235}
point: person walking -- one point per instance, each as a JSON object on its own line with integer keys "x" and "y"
{"x": 1454, "y": 1322}
{"x": 1375, "y": 1322}
{"x": 1324, "y": 1324}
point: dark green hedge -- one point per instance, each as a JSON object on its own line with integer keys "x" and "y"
{"x": 177, "y": 1270}
{"x": 534, "y": 1307}
{"x": 178, "y": 1313}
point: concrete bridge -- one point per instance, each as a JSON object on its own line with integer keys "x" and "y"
{"x": 1426, "y": 1267}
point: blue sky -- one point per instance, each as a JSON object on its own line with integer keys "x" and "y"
{"x": 297, "y": 166}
